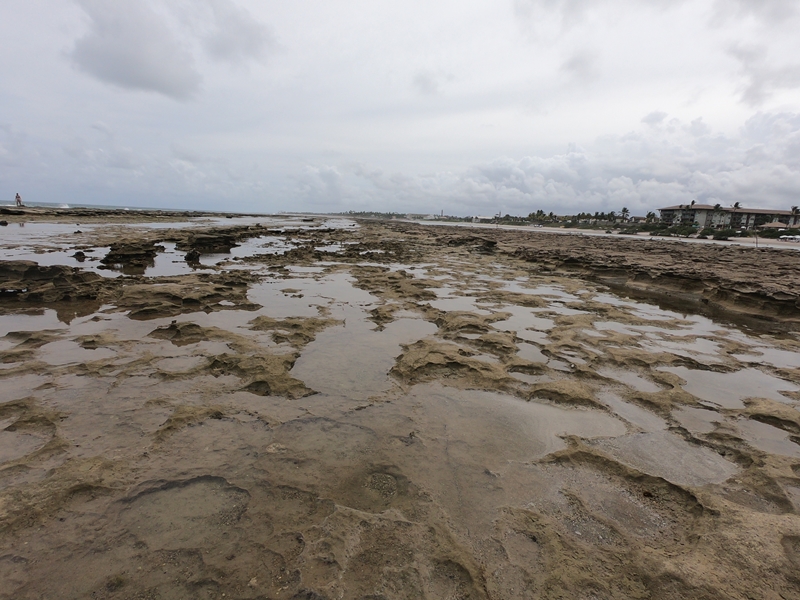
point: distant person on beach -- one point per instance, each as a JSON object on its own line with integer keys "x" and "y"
{"x": 18, "y": 200}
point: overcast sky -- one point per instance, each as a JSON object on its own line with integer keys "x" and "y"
{"x": 468, "y": 106}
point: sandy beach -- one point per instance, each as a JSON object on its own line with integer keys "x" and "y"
{"x": 196, "y": 405}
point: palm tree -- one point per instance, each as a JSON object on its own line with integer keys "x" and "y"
{"x": 795, "y": 215}
{"x": 717, "y": 211}
{"x": 651, "y": 216}
{"x": 624, "y": 212}
{"x": 736, "y": 207}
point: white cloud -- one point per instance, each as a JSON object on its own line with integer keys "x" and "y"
{"x": 468, "y": 106}
{"x": 642, "y": 170}
{"x": 236, "y": 35}
{"x": 129, "y": 45}
{"x": 769, "y": 11}
{"x": 697, "y": 127}
{"x": 763, "y": 77}
{"x": 581, "y": 66}
{"x": 321, "y": 186}
{"x": 153, "y": 45}
{"x": 654, "y": 118}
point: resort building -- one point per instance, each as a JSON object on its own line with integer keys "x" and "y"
{"x": 727, "y": 217}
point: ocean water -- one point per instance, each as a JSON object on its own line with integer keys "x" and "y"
{"x": 11, "y": 204}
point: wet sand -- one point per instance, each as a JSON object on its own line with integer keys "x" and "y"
{"x": 288, "y": 407}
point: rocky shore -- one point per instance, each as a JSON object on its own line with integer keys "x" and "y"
{"x": 308, "y": 407}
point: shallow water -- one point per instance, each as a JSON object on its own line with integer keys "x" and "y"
{"x": 630, "y": 378}
{"x": 729, "y": 389}
{"x": 311, "y": 442}
{"x": 698, "y": 420}
{"x": 48, "y": 319}
{"x": 633, "y": 414}
{"x": 667, "y": 455}
{"x": 522, "y": 320}
{"x": 354, "y": 359}
{"x": 768, "y": 438}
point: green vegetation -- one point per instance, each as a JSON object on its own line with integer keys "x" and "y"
{"x": 773, "y": 234}
{"x": 677, "y": 231}
{"x": 618, "y": 222}
{"x": 724, "y": 234}
{"x": 373, "y": 214}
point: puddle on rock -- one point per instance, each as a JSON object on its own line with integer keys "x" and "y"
{"x": 697, "y": 420}
{"x": 66, "y": 352}
{"x": 522, "y": 321}
{"x": 772, "y": 356}
{"x": 631, "y": 379}
{"x": 729, "y": 389}
{"x": 354, "y": 359}
{"x": 768, "y": 438}
{"x": 531, "y": 353}
{"x": 632, "y": 413}
{"x": 184, "y": 514}
{"x": 459, "y": 304}
{"x": 667, "y": 455}
{"x": 17, "y": 444}
{"x": 48, "y": 319}
{"x": 193, "y": 459}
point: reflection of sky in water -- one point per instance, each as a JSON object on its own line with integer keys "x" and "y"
{"x": 642, "y": 310}
{"x": 632, "y": 413}
{"x": 771, "y": 356}
{"x": 61, "y": 239}
{"x": 700, "y": 349}
{"x": 768, "y": 438}
{"x": 50, "y": 234}
{"x": 275, "y": 222}
{"x": 729, "y": 389}
{"x": 548, "y": 290}
{"x": 67, "y": 352}
{"x": 63, "y": 257}
{"x": 697, "y": 420}
{"x": 300, "y": 296}
{"x": 354, "y": 359}
{"x": 630, "y": 379}
{"x": 30, "y": 322}
{"x": 560, "y": 309}
{"x": 657, "y": 339}
{"x": 256, "y": 246}
{"x": 521, "y": 320}
{"x": 531, "y": 353}
{"x": 459, "y": 304}
{"x": 667, "y": 455}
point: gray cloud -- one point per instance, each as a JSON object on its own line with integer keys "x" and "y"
{"x": 130, "y": 46}
{"x": 569, "y": 11}
{"x": 425, "y": 83}
{"x": 698, "y": 127}
{"x": 430, "y": 82}
{"x": 641, "y": 170}
{"x": 362, "y": 95}
{"x": 654, "y": 118}
{"x": 93, "y": 158}
{"x": 581, "y": 66}
{"x": 236, "y": 35}
{"x": 762, "y": 78}
{"x": 770, "y": 11}
{"x": 572, "y": 12}
{"x": 322, "y": 185}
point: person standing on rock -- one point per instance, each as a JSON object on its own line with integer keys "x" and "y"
{"x": 18, "y": 199}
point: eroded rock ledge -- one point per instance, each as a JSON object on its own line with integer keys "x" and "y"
{"x": 761, "y": 285}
